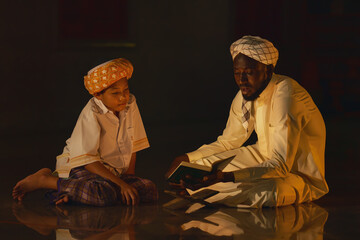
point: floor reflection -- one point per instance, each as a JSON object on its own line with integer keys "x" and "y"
{"x": 305, "y": 221}
{"x": 80, "y": 222}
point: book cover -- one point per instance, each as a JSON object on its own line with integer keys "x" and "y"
{"x": 197, "y": 171}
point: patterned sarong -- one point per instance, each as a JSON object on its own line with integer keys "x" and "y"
{"x": 85, "y": 187}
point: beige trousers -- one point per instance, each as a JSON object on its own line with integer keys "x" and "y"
{"x": 269, "y": 192}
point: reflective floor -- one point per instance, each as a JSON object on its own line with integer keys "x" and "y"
{"x": 37, "y": 220}
{"x": 335, "y": 216}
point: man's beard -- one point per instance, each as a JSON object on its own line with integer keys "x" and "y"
{"x": 256, "y": 94}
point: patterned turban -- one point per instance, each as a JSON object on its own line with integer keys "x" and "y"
{"x": 256, "y": 48}
{"x": 104, "y": 75}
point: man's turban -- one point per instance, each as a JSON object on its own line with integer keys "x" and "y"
{"x": 104, "y": 75}
{"x": 256, "y": 48}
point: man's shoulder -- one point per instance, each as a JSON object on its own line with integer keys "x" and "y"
{"x": 237, "y": 101}
{"x": 287, "y": 89}
{"x": 282, "y": 80}
{"x": 286, "y": 84}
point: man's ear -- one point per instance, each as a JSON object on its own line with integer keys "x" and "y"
{"x": 270, "y": 70}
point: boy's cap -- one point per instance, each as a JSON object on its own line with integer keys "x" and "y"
{"x": 256, "y": 48}
{"x": 104, "y": 75}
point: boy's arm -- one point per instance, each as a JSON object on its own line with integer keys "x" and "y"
{"x": 131, "y": 169}
{"x": 128, "y": 193}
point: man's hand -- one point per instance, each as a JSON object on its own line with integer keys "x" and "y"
{"x": 208, "y": 180}
{"x": 195, "y": 184}
{"x": 178, "y": 187}
{"x": 176, "y": 163}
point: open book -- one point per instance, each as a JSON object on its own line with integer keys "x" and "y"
{"x": 197, "y": 171}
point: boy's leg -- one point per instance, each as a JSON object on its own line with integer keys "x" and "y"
{"x": 88, "y": 188}
{"x": 42, "y": 179}
{"x": 147, "y": 189}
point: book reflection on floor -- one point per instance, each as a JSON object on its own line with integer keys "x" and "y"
{"x": 302, "y": 222}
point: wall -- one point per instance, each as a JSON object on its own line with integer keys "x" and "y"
{"x": 183, "y": 68}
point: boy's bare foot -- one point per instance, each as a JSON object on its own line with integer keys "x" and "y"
{"x": 38, "y": 180}
{"x": 65, "y": 199}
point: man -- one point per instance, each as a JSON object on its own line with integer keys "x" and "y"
{"x": 286, "y": 164}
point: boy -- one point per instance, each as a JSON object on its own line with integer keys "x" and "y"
{"x": 97, "y": 166}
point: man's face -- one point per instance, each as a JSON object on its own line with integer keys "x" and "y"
{"x": 251, "y": 76}
{"x": 116, "y": 96}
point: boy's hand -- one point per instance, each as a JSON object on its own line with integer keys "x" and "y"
{"x": 129, "y": 194}
{"x": 176, "y": 163}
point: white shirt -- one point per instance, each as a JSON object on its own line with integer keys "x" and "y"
{"x": 101, "y": 136}
{"x": 291, "y": 135}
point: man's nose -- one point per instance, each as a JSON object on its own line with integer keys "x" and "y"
{"x": 243, "y": 78}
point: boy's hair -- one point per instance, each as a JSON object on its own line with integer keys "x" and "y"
{"x": 103, "y": 76}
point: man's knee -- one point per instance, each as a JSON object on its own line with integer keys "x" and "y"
{"x": 284, "y": 193}
{"x": 272, "y": 192}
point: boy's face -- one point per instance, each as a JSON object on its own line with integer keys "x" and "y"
{"x": 116, "y": 96}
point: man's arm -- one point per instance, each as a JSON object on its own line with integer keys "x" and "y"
{"x": 217, "y": 177}
{"x": 290, "y": 113}
{"x": 129, "y": 194}
{"x": 233, "y": 136}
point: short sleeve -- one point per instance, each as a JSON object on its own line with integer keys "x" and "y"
{"x": 140, "y": 140}
{"x": 83, "y": 146}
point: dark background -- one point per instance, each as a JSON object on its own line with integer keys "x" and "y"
{"x": 183, "y": 76}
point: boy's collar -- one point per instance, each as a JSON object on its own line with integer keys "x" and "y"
{"x": 104, "y": 109}
{"x": 101, "y": 106}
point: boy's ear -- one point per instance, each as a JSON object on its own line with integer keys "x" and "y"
{"x": 97, "y": 95}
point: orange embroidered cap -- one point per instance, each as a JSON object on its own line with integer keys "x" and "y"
{"x": 104, "y": 75}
